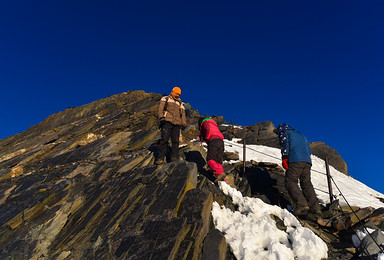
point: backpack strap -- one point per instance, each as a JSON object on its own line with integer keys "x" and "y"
{"x": 166, "y": 104}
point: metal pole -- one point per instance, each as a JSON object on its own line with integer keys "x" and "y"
{"x": 329, "y": 180}
{"x": 244, "y": 156}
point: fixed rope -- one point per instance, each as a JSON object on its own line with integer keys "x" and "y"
{"x": 271, "y": 156}
{"x": 248, "y": 148}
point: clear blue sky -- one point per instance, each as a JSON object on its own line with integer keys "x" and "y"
{"x": 316, "y": 65}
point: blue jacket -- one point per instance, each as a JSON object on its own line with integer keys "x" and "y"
{"x": 294, "y": 145}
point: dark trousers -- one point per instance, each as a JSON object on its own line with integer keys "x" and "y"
{"x": 306, "y": 196}
{"x": 169, "y": 130}
{"x": 215, "y": 150}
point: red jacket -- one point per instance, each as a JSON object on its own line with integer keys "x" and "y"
{"x": 209, "y": 130}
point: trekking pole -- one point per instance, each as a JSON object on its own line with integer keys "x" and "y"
{"x": 329, "y": 180}
{"x": 244, "y": 155}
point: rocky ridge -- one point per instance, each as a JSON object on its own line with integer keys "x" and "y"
{"x": 82, "y": 184}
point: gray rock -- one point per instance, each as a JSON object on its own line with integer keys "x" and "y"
{"x": 228, "y": 156}
{"x": 215, "y": 246}
{"x": 322, "y": 151}
{"x": 262, "y": 134}
{"x": 196, "y": 208}
{"x": 369, "y": 245}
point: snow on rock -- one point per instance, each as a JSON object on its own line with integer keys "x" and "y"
{"x": 252, "y": 234}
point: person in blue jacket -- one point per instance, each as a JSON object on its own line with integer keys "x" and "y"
{"x": 296, "y": 160}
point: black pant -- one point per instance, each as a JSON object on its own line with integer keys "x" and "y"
{"x": 215, "y": 150}
{"x": 169, "y": 130}
{"x": 306, "y": 196}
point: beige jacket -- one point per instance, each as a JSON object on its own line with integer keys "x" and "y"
{"x": 175, "y": 112}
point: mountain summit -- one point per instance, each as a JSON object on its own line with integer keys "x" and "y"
{"x": 82, "y": 184}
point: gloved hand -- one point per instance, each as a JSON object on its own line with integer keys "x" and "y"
{"x": 285, "y": 164}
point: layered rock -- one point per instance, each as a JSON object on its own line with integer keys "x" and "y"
{"x": 82, "y": 184}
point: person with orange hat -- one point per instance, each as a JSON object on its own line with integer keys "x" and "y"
{"x": 171, "y": 113}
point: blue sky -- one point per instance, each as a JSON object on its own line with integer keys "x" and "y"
{"x": 316, "y": 65}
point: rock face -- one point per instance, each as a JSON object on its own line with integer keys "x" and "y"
{"x": 82, "y": 184}
{"x": 322, "y": 151}
{"x": 262, "y": 134}
{"x": 126, "y": 214}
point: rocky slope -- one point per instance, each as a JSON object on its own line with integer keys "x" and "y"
{"x": 82, "y": 185}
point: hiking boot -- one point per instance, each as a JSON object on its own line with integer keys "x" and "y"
{"x": 301, "y": 211}
{"x": 220, "y": 177}
{"x": 160, "y": 161}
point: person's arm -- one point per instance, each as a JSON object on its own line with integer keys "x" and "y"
{"x": 183, "y": 117}
{"x": 160, "y": 109}
{"x": 284, "y": 144}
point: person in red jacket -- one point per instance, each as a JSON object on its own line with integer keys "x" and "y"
{"x": 210, "y": 133}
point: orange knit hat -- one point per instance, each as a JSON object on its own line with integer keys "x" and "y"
{"x": 176, "y": 90}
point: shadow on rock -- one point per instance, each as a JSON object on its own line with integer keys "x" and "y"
{"x": 263, "y": 186}
{"x": 196, "y": 157}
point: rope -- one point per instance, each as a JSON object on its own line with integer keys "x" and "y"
{"x": 320, "y": 190}
{"x": 319, "y": 172}
{"x": 241, "y": 146}
{"x": 277, "y": 158}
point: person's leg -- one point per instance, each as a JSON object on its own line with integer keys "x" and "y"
{"x": 163, "y": 144}
{"x": 220, "y": 151}
{"x": 215, "y": 156}
{"x": 175, "y": 137}
{"x": 216, "y": 167}
{"x": 308, "y": 190}
{"x": 291, "y": 178}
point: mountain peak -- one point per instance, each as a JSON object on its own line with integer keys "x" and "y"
{"x": 83, "y": 184}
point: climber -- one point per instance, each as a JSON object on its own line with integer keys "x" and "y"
{"x": 171, "y": 113}
{"x": 210, "y": 133}
{"x": 296, "y": 160}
